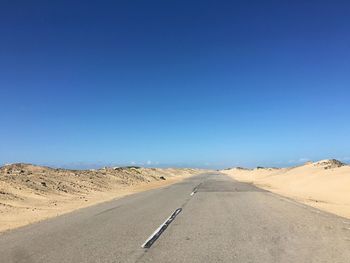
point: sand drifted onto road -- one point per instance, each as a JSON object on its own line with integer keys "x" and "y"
{"x": 30, "y": 193}
{"x": 324, "y": 184}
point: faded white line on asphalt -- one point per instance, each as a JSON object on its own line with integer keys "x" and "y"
{"x": 156, "y": 234}
{"x": 195, "y": 190}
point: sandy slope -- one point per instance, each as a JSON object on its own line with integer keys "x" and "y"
{"x": 324, "y": 184}
{"x": 31, "y": 193}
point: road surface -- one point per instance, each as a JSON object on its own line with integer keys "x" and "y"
{"x": 219, "y": 220}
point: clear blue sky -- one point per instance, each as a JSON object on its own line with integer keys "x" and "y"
{"x": 174, "y": 83}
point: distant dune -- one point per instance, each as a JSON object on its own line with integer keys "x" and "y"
{"x": 30, "y": 193}
{"x": 324, "y": 184}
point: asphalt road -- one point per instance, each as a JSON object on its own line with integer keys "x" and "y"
{"x": 223, "y": 221}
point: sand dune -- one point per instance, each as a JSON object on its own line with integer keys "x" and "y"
{"x": 324, "y": 184}
{"x": 30, "y": 193}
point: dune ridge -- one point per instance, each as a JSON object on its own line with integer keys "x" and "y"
{"x": 324, "y": 184}
{"x": 30, "y": 193}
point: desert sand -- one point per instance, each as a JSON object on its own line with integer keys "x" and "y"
{"x": 324, "y": 184}
{"x": 30, "y": 193}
